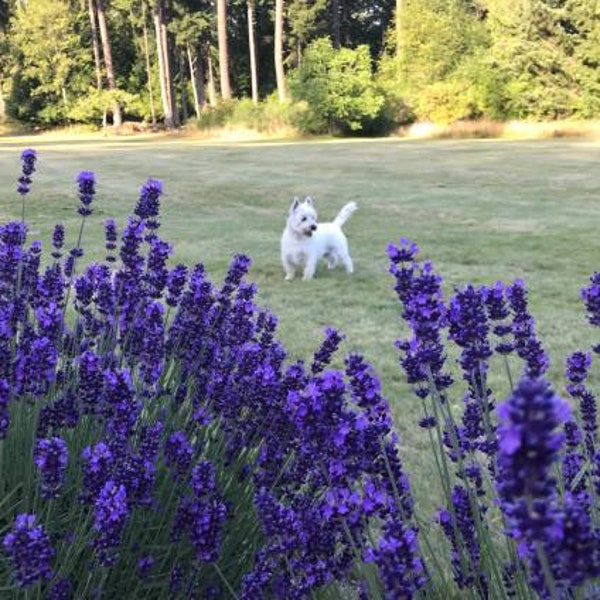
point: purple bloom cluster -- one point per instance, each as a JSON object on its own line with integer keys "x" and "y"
{"x": 86, "y": 182}
{"x": 29, "y": 549}
{"x": 51, "y": 457}
{"x": 28, "y": 160}
{"x": 110, "y": 518}
{"x": 419, "y": 290}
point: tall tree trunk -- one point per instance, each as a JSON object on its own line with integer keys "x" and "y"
{"x": 212, "y": 92}
{"x": 398, "y": 27}
{"x": 197, "y": 80}
{"x": 252, "y": 47}
{"x": 164, "y": 68}
{"x": 96, "y": 52}
{"x": 148, "y": 65}
{"x": 183, "y": 87}
{"x": 223, "y": 49}
{"x": 108, "y": 63}
{"x": 336, "y": 24}
{"x": 95, "y": 44}
{"x": 279, "y": 71}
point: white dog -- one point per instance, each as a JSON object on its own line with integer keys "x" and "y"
{"x": 304, "y": 241}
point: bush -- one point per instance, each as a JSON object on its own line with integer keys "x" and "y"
{"x": 156, "y": 441}
{"x": 337, "y": 86}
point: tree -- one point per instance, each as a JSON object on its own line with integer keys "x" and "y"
{"x": 305, "y": 22}
{"x": 108, "y": 61}
{"x": 278, "y": 52}
{"x": 252, "y": 51}
{"x": 338, "y": 87}
{"x": 223, "y": 49}
{"x": 167, "y": 91}
{"x": 51, "y": 67}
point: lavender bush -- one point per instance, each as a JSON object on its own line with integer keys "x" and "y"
{"x": 156, "y": 441}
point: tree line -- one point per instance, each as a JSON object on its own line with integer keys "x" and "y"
{"x": 345, "y": 65}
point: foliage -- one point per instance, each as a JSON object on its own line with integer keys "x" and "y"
{"x": 338, "y": 87}
{"x": 49, "y": 64}
{"x": 156, "y": 439}
{"x": 134, "y": 398}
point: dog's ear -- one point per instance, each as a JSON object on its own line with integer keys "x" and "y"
{"x": 308, "y": 200}
{"x": 295, "y": 204}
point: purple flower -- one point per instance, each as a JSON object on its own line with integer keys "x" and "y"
{"x": 110, "y": 518}
{"x": 51, "y": 457}
{"x": 175, "y": 284}
{"x": 86, "y": 181}
{"x": 152, "y": 352}
{"x": 591, "y": 298}
{"x": 110, "y": 228}
{"x": 530, "y": 440}
{"x": 527, "y": 345}
{"x": 398, "y": 560}
{"x": 91, "y": 382}
{"x": 459, "y": 528}
{"x": 97, "y": 468}
{"x": 58, "y": 240}
{"x": 179, "y": 453}
{"x": 4, "y": 414}
{"x": 202, "y": 516}
{"x": 29, "y": 550}
{"x": 62, "y": 589}
{"x": 328, "y": 348}
{"x": 145, "y": 565}
{"x": 148, "y": 205}
{"x": 469, "y": 329}
{"x": 28, "y": 159}
{"x": 578, "y": 364}
{"x": 36, "y": 364}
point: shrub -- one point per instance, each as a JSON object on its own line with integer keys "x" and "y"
{"x": 156, "y": 441}
{"x": 337, "y": 86}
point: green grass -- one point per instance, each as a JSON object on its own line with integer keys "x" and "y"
{"x": 481, "y": 210}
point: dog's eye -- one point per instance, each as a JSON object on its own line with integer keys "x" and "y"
{"x": 303, "y": 218}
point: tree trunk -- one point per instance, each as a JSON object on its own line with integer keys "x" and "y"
{"x": 148, "y": 66}
{"x": 223, "y": 49}
{"x": 336, "y": 24}
{"x": 197, "y": 80}
{"x": 164, "y": 68}
{"x": 95, "y": 44}
{"x": 279, "y": 71}
{"x": 212, "y": 92}
{"x": 252, "y": 47}
{"x": 108, "y": 63}
{"x": 398, "y": 27}
{"x": 183, "y": 87}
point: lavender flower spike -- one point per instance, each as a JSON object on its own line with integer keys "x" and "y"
{"x": 28, "y": 158}
{"x": 86, "y": 180}
{"x": 29, "y": 549}
{"x": 51, "y": 457}
{"x": 529, "y": 444}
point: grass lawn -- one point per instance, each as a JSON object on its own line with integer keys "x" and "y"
{"x": 481, "y": 210}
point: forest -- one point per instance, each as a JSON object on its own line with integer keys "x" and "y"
{"x": 347, "y": 66}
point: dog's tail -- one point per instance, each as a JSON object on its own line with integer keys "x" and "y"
{"x": 345, "y": 213}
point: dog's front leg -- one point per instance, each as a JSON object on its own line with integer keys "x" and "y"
{"x": 289, "y": 268}
{"x": 309, "y": 268}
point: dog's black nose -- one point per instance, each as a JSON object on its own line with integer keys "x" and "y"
{"x": 313, "y": 227}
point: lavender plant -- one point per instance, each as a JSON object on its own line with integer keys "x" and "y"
{"x": 157, "y": 442}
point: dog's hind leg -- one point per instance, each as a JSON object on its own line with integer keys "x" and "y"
{"x": 347, "y": 263}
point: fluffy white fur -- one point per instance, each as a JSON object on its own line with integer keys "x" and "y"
{"x": 304, "y": 241}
